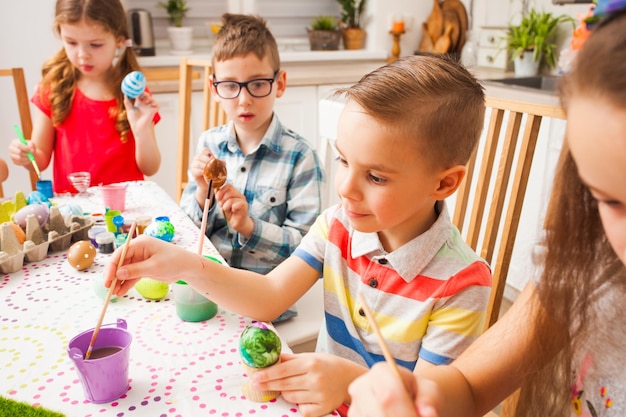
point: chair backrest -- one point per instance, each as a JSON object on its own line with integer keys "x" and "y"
{"x": 213, "y": 115}
{"x": 502, "y": 222}
{"x": 23, "y": 106}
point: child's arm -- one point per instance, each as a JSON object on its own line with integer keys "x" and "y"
{"x": 196, "y": 170}
{"x": 140, "y": 118}
{"x": 41, "y": 143}
{"x": 241, "y": 291}
{"x": 485, "y": 374}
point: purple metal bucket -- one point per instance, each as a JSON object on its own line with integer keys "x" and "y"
{"x": 103, "y": 379}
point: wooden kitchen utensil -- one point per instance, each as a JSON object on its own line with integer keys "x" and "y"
{"x": 443, "y": 43}
{"x": 457, "y": 7}
{"x": 435, "y": 22}
{"x": 426, "y": 43}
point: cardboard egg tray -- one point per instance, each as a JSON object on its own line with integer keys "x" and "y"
{"x": 56, "y": 235}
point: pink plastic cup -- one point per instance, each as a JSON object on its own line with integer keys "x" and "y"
{"x": 104, "y": 379}
{"x": 114, "y": 196}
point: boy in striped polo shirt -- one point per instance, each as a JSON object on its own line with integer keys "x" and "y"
{"x": 405, "y": 134}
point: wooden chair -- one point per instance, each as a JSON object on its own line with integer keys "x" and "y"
{"x": 23, "y": 106}
{"x": 213, "y": 115}
{"x": 499, "y": 233}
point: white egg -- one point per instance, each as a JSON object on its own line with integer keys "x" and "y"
{"x": 40, "y": 211}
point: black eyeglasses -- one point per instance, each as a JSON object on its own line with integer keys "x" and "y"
{"x": 259, "y": 87}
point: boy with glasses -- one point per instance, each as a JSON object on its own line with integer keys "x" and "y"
{"x": 273, "y": 192}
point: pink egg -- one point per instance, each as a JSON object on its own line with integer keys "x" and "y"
{"x": 81, "y": 255}
{"x": 40, "y": 211}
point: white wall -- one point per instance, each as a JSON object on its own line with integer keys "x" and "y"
{"x": 27, "y": 40}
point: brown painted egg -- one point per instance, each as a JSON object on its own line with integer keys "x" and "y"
{"x": 215, "y": 170}
{"x": 81, "y": 255}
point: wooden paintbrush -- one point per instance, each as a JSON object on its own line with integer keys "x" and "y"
{"x": 205, "y": 214}
{"x": 381, "y": 341}
{"x": 96, "y": 330}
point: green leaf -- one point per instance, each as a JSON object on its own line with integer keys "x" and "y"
{"x": 536, "y": 32}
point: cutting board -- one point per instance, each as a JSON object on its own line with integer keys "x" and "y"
{"x": 444, "y": 31}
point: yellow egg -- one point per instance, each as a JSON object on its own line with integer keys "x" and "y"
{"x": 81, "y": 255}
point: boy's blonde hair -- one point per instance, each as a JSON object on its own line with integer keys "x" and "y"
{"x": 429, "y": 98}
{"x": 60, "y": 76}
{"x": 243, "y": 34}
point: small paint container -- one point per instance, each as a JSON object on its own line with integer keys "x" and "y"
{"x": 120, "y": 239}
{"x": 105, "y": 242}
{"x": 93, "y": 232}
{"x": 142, "y": 222}
{"x": 45, "y": 187}
{"x": 191, "y": 305}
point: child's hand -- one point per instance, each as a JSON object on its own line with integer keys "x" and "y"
{"x": 235, "y": 209}
{"x": 147, "y": 257}
{"x": 379, "y": 393}
{"x": 197, "y": 165}
{"x": 196, "y": 168}
{"x": 317, "y": 382}
{"x": 18, "y": 152}
{"x": 140, "y": 112}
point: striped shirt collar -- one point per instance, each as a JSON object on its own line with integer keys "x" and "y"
{"x": 410, "y": 259}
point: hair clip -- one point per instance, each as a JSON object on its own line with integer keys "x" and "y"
{"x": 128, "y": 43}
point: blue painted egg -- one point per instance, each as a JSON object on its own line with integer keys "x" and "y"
{"x": 67, "y": 210}
{"x": 161, "y": 228}
{"x": 37, "y": 197}
{"x": 134, "y": 84}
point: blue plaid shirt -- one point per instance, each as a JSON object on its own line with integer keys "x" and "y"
{"x": 282, "y": 181}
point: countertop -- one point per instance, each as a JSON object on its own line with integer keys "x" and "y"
{"x": 302, "y": 67}
{"x": 327, "y": 67}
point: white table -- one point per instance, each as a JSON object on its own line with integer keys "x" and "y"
{"x": 176, "y": 368}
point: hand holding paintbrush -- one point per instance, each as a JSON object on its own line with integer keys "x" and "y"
{"x": 215, "y": 174}
{"x": 30, "y": 155}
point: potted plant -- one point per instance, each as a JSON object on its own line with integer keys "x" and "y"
{"x": 351, "y": 13}
{"x": 324, "y": 33}
{"x": 180, "y": 36}
{"x": 532, "y": 41}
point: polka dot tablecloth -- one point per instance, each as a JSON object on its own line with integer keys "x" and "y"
{"x": 177, "y": 369}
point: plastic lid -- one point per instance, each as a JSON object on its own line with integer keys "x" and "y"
{"x": 105, "y": 237}
{"x": 181, "y": 282}
{"x": 96, "y": 230}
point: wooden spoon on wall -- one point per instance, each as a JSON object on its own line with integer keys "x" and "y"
{"x": 443, "y": 43}
{"x": 426, "y": 44}
{"x": 457, "y": 7}
{"x": 435, "y": 22}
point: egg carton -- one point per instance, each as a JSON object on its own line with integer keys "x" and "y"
{"x": 56, "y": 235}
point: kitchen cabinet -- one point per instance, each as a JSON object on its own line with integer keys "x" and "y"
{"x": 297, "y": 110}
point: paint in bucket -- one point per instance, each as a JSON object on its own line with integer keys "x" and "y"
{"x": 104, "y": 378}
